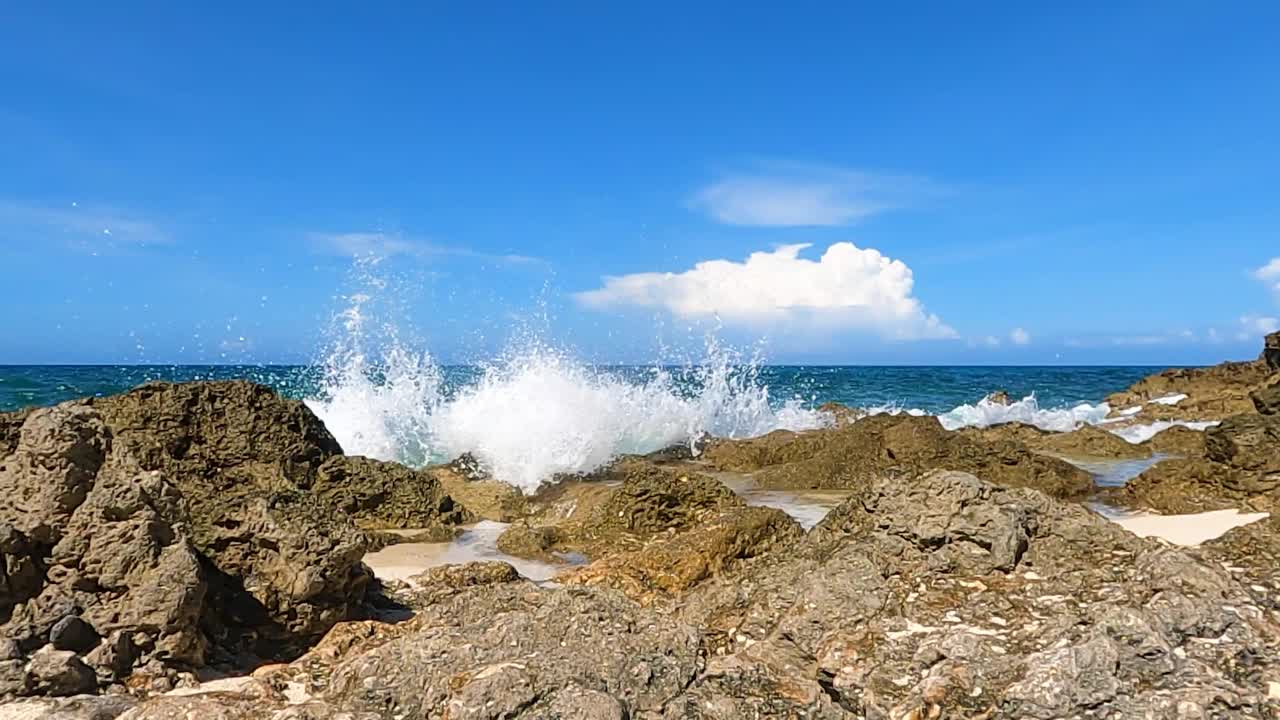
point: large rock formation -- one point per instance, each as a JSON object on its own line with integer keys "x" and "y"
{"x": 177, "y": 526}
{"x": 890, "y": 446}
{"x": 941, "y": 597}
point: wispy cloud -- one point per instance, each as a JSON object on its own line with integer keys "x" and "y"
{"x": 1269, "y": 274}
{"x": 88, "y": 227}
{"x": 846, "y": 288}
{"x": 794, "y": 195}
{"x": 381, "y": 244}
{"x": 1020, "y": 336}
{"x": 1254, "y": 327}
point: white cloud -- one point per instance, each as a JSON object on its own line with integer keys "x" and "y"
{"x": 1269, "y": 274}
{"x": 383, "y": 245}
{"x": 1020, "y": 336}
{"x": 788, "y": 195}
{"x": 89, "y": 227}
{"x": 847, "y": 288}
{"x": 1253, "y": 327}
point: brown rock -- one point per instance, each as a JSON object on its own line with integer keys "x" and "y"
{"x": 484, "y": 498}
{"x": 243, "y": 459}
{"x": 1266, "y": 399}
{"x": 382, "y": 495}
{"x": 891, "y": 446}
{"x": 1271, "y": 351}
{"x": 672, "y": 565}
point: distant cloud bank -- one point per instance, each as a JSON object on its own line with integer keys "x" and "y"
{"x": 846, "y": 288}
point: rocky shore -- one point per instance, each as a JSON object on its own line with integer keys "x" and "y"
{"x": 203, "y": 550}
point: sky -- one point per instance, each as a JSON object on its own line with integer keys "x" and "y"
{"x": 836, "y": 183}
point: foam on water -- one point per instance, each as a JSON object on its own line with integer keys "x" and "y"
{"x": 541, "y": 412}
{"x": 985, "y": 413}
{"x": 536, "y": 411}
{"x": 1141, "y": 433}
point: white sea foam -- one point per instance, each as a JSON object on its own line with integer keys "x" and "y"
{"x": 1141, "y": 433}
{"x": 985, "y": 413}
{"x": 536, "y": 411}
{"x": 1169, "y": 399}
{"x": 541, "y": 412}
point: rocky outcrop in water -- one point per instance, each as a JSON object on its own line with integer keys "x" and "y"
{"x": 890, "y": 446}
{"x": 1211, "y": 393}
{"x": 1238, "y": 467}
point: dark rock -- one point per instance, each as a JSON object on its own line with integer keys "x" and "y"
{"x": 382, "y": 495}
{"x": 74, "y": 634}
{"x": 176, "y": 521}
{"x": 283, "y": 565}
{"x": 113, "y": 657}
{"x": 1271, "y": 351}
{"x": 60, "y": 673}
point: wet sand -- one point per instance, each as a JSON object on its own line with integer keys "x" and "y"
{"x": 402, "y": 561}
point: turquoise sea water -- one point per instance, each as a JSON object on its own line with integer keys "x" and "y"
{"x": 931, "y": 389}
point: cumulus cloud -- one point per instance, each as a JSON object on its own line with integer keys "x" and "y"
{"x": 1269, "y": 274}
{"x": 1020, "y": 336}
{"x": 788, "y": 195}
{"x": 847, "y": 288}
{"x": 382, "y": 244}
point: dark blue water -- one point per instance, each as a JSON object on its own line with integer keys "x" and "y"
{"x": 933, "y": 389}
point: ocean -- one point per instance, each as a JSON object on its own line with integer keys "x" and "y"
{"x": 540, "y": 412}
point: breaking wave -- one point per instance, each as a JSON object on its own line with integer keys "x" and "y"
{"x": 536, "y": 411}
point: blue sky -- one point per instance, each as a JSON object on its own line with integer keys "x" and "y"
{"x": 989, "y": 183}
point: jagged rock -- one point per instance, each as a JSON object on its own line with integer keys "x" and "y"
{"x": 890, "y": 446}
{"x": 485, "y": 498}
{"x": 1212, "y": 393}
{"x": 1271, "y": 351}
{"x": 671, "y": 565}
{"x": 1178, "y": 440}
{"x": 619, "y": 509}
{"x": 1239, "y": 468}
{"x": 59, "y": 672}
{"x": 90, "y": 535}
{"x": 1266, "y": 399}
{"x": 504, "y": 650}
{"x": 1059, "y": 681}
{"x": 173, "y": 521}
{"x": 951, "y": 597}
{"x": 1087, "y": 441}
{"x": 10, "y": 428}
{"x": 380, "y": 495}
{"x": 281, "y": 561}
{"x": 528, "y": 541}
